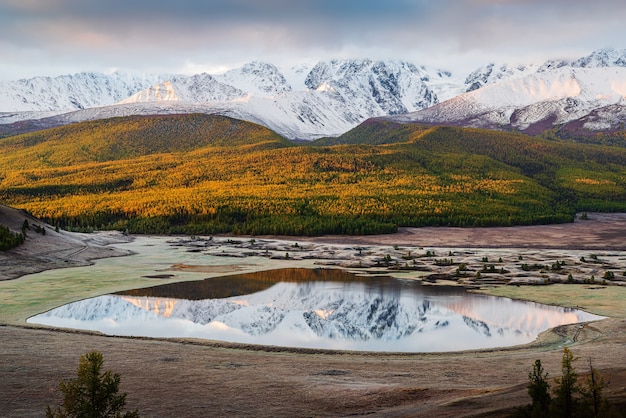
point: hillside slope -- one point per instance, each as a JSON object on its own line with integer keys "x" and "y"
{"x": 131, "y": 137}
{"x": 50, "y": 249}
{"x": 241, "y": 178}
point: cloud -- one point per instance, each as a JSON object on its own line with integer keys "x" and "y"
{"x": 159, "y": 34}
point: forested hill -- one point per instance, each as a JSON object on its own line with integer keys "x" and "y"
{"x": 576, "y": 172}
{"x": 204, "y": 174}
{"x": 377, "y": 131}
{"x": 131, "y": 137}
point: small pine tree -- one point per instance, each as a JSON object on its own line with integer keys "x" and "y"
{"x": 564, "y": 403}
{"x": 539, "y": 391}
{"x": 92, "y": 394}
{"x": 593, "y": 399}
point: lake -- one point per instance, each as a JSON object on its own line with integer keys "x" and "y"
{"x": 317, "y": 308}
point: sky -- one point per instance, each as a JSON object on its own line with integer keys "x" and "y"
{"x": 54, "y": 37}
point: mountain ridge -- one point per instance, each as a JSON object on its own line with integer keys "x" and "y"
{"x": 563, "y": 95}
{"x": 325, "y": 99}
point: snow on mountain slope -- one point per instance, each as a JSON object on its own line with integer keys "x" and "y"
{"x": 444, "y": 84}
{"x": 296, "y": 75}
{"x": 338, "y": 95}
{"x": 257, "y": 78}
{"x": 314, "y": 115}
{"x": 331, "y": 97}
{"x": 495, "y": 73}
{"x": 602, "y": 58}
{"x": 607, "y": 118}
{"x": 383, "y": 87}
{"x": 492, "y": 73}
{"x": 71, "y": 92}
{"x": 557, "y": 96}
{"x": 199, "y": 88}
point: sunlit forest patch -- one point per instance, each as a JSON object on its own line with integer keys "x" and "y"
{"x": 211, "y": 174}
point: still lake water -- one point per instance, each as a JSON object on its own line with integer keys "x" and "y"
{"x": 316, "y": 308}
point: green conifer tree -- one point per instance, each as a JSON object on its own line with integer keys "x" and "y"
{"x": 92, "y": 394}
{"x": 565, "y": 404}
{"x": 539, "y": 391}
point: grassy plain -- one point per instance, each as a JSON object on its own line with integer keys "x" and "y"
{"x": 600, "y": 300}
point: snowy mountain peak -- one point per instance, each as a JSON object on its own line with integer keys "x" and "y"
{"x": 200, "y": 88}
{"x": 493, "y": 73}
{"x": 552, "y": 65}
{"x": 396, "y": 86}
{"x": 537, "y": 99}
{"x": 257, "y": 77}
{"x": 479, "y": 77}
{"x": 342, "y": 71}
{"x": 334, "y": 97}
{"x": 72, "y": 92}
{"x": 330, "y": 97}
{"x": 603, "y": 58}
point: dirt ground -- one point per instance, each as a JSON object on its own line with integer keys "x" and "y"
{"x": 183, "y": 378}
{"x": 197, "y": 379}
{"x": 601, "y": 231}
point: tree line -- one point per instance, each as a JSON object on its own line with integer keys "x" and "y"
{"x": 9, "y": 239}
{"x": 569, "y": 397}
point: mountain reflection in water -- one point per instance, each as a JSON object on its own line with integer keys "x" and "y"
{"x": 319, "y": 308}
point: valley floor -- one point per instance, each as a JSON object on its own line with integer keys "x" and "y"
{"x": 166, "y": 378}
{"x": 602, "y": 231}
{"x": 169, "y": 378}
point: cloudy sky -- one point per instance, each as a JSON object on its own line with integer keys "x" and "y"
{"x": 53, "y": 37}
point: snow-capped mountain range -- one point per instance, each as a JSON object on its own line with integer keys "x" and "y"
{"x": 539, "y": 100}
{"x": 72, "y": 92}
{"x": 331, "y": 97}
{"x": 590, "y": 90}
